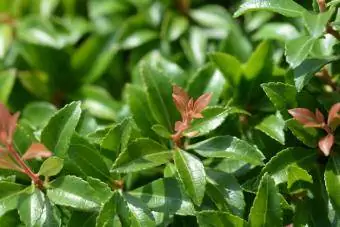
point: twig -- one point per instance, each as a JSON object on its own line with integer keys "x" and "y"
{"x": 326, "y": 78}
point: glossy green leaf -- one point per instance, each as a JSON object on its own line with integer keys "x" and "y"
{"x": 219, "y": 219}
{"x": 57, "y": 134}
{"x": 298, "y": 49}
{"x": 226, "y": 192}
{"x": 7, "y": 79}
{"x": 273, "y": 126}
{"x": 278, "y": 165}
{"x": 332, "y": 181}
{"x": 166, "y": 196}
{"x": 51, "y": 166}
{"x": 11, "y": 200}
{"x": 73, "y": 192}
{"x": 88, "y": 158}
{"x": 304, "y": 72}
{"x": 230, "y": 67}
{"x": 283, "y": 96}
{"x": 102, "y": 189}
{"x": 288, "y": 8}
{"x": 138, "y": 38}
{"x": 174, "y": 26}
{"x": 36, "y": 210}
{"x": 141, "y": 154}
{"x": 7, "y": 188}
{"x": 107, "y": 212}
{"x": 213, "y": 117}
{"x": 192, "y": 174}
{"x": 266, "y": 209}
{"x": 308, "y": 136}
{"x": 229, "y": 147}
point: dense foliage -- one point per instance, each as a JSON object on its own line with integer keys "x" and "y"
{"x": 169, "y": 113}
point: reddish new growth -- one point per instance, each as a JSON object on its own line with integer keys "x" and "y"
{"x": 317, "y": 120}
{"x": 189, "y": 110}
{"x": 9, "y": 157}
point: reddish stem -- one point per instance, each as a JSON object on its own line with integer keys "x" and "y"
{"x": 34, "y": 177}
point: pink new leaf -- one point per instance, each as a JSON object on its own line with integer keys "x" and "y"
{"x": 7, "y": 163}
{"x": 326, "y": 143}
{"x": 8, "y": 124}
{"x": 202, "y": 102}
{"x": 36, "y": 150}
{"x": 334, "y": 116}
{"x": 305, "y": 117}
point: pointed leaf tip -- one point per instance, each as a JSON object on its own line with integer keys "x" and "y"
{"x": 326, "y": 143}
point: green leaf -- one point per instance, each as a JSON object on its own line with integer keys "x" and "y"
{"x": 226, "y": 192}
{"x": 108, "y": 211}
{"x": 57, "y": 134}
{"x": 277, "y": 167}
{"x": 138, "y": 38}
{"x": 83, "y": 219}
{"x": 192, "y": 174}
{"x": 39, "y": 113}
{"x": 93, "y": 57}
{"x": 11, "y": 201}
{"x": 51, "y": 166}
{"x": 316, "y": 23}
{"x": 266, "y": 209}
{"x": 6, "y": 38}
{"x": 332, "y": 181}
{"x": 141, "y": 154}
{"x": 219, "y": 219}
{"x": 166, "y": 196}
{"x": 103, "y": 191}
{"x": 197, "y": 46}
{"x": 213, "y": 117}
{"x": 273, "y": 126}
{"x": 7, "y": 188}
{"x": 308, "y": 136}
{"x": 174, "y": 26}
{"x": 305, "y": 72}
{"x": 297, "y": 174}
{"x": 10, "y": 219}
{"x": 7, "y": 79}
{"x": 159, "y": 92}
{"x": 98, "y": 102}
{"x": 229, "y": 147}
{"x": 283, "y": 96}
{"x": 134, "y": 213}
{"x": 288, "y": 8}
{"x": 161, "y": 131}
{"x": 88, "y": 158}
{"x": 280, "y": 31}
{"x": 73, "y": 192}
{"x": 207, "y": 79}
{"x": 230, "y": 67}
{"x": 298, "y": 49}
{"x": 36, "y": 210}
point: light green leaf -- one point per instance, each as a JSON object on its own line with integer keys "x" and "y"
{"x": 36, "y": 210}
{"x": 103, "y": 190}
{"x": 6, "y": 38}
{"x": 73, "y": 192}
{"x": 166, "y": 196}
{"x": 297, "y": 174}
{"x": 57, "y": 134}
{"x": 108, "y": 211}
{"x": 161, "y": 131}
{"x": 11, "y": 200}
{"x": 283, "y": 96}
{"x": 288, "y": 8}
{"x": 192, "y": 174}
{"x": 298, "y": 49}
{"x": 138, "y": 38}
{"x": 276, "y": 30}
{"x": 266, "y": 210}
{"x": 7, "y": 79}
{"x": 51, "y": 166}
{"x": 229, "y": 147}
{"x": 332, "y": 181}
{"x": 219, "y": 219}
{"x": 316, "y": 23}
{"x": 141, "y": 154}
{"x": 308, "y": 136}
{"x": 39, "y": 113}
{"x": 174, "y": 26}
{"x": 277, "y": 167}
{"x": 273, "y": 126}
{"x": 213, "y": 117}
{"x": 230, "y": 67}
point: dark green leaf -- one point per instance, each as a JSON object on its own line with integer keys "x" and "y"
{"x": 283, "y": 96}
{"x": 7, "y": 79}
{"x": 332, "y": 181}
{"x": 219, "y": 219}
{"x": 308, "y": 136}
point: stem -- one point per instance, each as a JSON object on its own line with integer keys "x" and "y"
{"x": 326, "y": 78}
{"x": 34, "y": 177}
{"x": 183, "y": 6}
{"x": 322, "y": 5}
